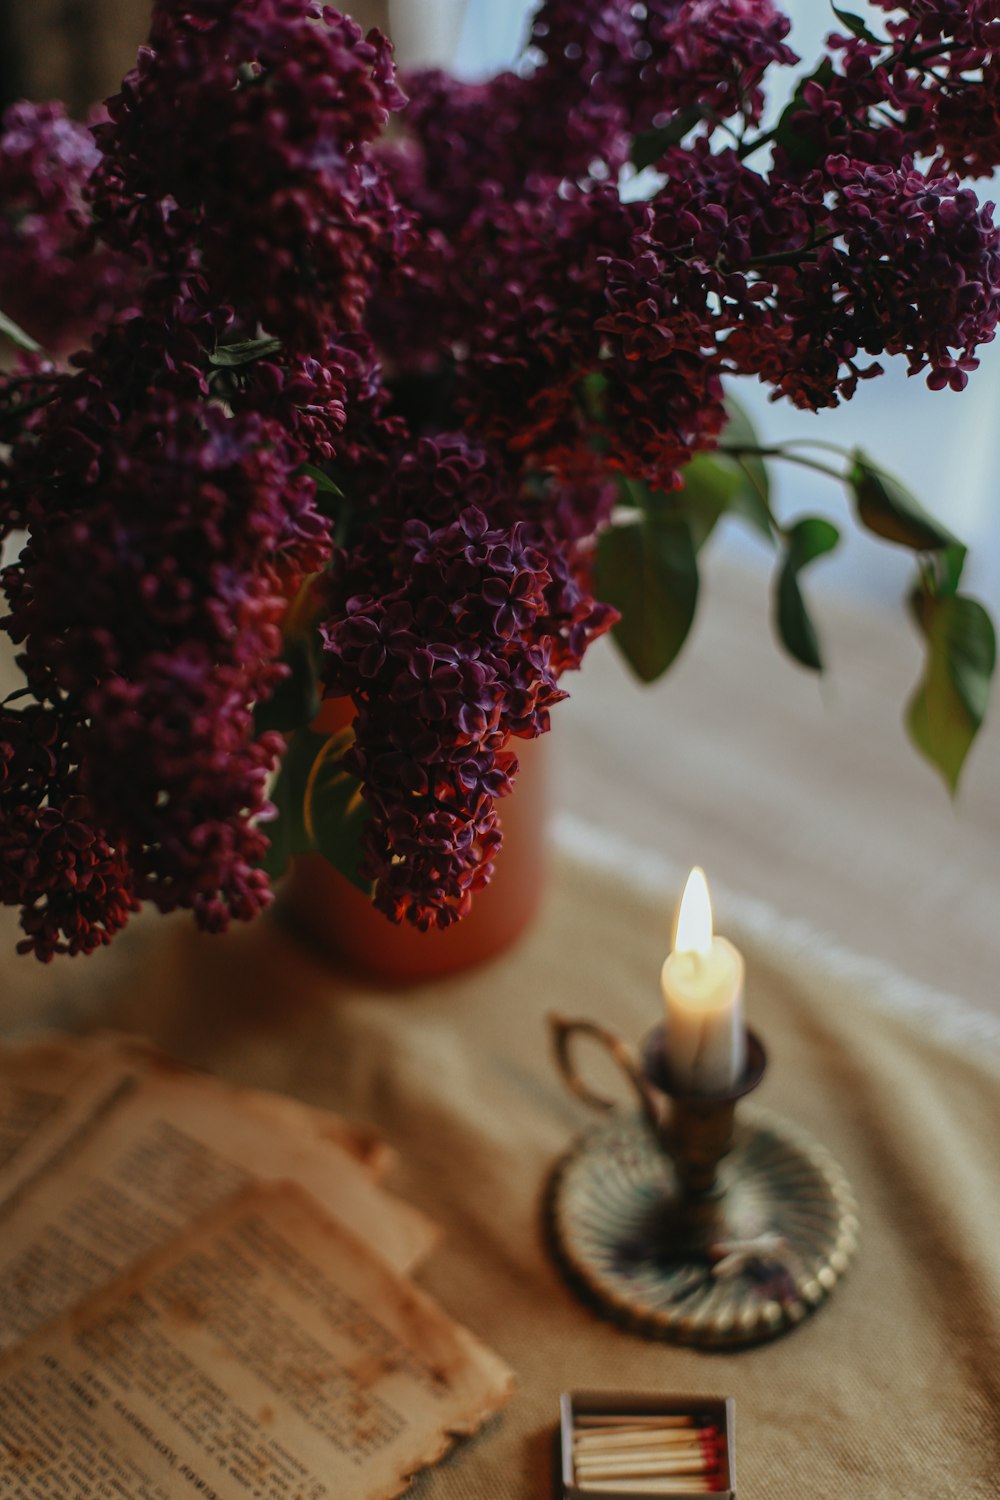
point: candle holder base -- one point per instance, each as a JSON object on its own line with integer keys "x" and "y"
{"x": 752, "y": 1259}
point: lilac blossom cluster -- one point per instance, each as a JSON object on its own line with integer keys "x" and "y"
{"x": 399, "y": 377}
{"x": 54, "y": 280}
{"x": 163, "y": 538}
{"x": 242, "y": 137}
{"x": 453, "y": 617}
{"x": 851, "y": 237}
{"x": 161, "y": 482}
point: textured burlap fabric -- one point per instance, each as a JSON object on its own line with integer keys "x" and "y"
{"x": 892, "y": 1389}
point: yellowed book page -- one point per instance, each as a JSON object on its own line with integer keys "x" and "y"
{"x": 167, "y": 1152}
{"x": 34, "y": 1080}
{"x": 54, "y": 1087}
{"x": 362, "y": 1141}
{"x": 50, "y": 1090}
{"x": 264, "y": 1353}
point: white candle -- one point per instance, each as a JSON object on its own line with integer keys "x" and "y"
{"x": 702, "y": 982}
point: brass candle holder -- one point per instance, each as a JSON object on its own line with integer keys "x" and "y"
{"x": 695, "y": 1222}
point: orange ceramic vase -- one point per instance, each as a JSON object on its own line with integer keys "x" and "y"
{"x": 334, "y": 917}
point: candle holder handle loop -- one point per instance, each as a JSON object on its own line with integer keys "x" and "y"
{"x": 563, "y": 1029}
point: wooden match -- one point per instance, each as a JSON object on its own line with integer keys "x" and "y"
{"x": 685, "y": 1437}
{"x": 585, "y": 1420}
{"x": 647, "y": 1487}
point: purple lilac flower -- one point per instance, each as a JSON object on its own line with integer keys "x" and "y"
{"x": 960, "y": 87}
{"x": 330, "y": 402}
{"x": 792, "y": 276}
{"x": 74, "y": 887}
{"x": 929, "y": 87}
{"x": 169, "y": 521}
{"x": 449, "y": 623}
{"x": 163, "y": 544}
{"x": 893, "y": 262}
{"x": 244, "y": 131}
{"x": 54, "y": 281}
{"x": 639, "y": 65}
{"x": 708, "y": 54}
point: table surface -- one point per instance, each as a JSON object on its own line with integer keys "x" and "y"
{"x": 892, "y": 1388}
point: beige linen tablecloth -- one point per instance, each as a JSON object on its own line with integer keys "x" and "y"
{"x": 892, "y": 1389}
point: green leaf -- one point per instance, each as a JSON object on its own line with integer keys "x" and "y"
{"x": 593, "y": 388}
{"x": 802, "y": 151}
{"x": 335, "y": 812}
{"x": 286, "y": 830}
{"x": 753, "y": 500}
{"x": 950, "y": 562}
{"x": 320, "y": 806}
{"x": 886, "y": 507}
{"x": 649, "y": 145}
{"x": 227, "y": 356}
{"x": 949, "y": 705}
{"x": 720, "y": 483}
{"x": 711, "y": 486}
{"x": 807, "y": 539}
{"x": 855, "y": 25}
{"x": 17, "y": 336}
{"x": 633, "y": 494}
{"x": 322, "y": 481}
{"x": 295, "y": 701}
{"x": 648, "y": 570}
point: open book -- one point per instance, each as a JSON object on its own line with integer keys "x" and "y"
{"x": 204, "y": 1290}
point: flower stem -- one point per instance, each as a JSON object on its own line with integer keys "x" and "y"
{"x": 748, "y": 450}
{"x": 749, "y": 147}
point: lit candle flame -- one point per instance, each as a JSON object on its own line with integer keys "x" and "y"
{"x": 693, "y": 933}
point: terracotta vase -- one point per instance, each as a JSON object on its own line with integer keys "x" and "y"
{"x": 332, "y": 916}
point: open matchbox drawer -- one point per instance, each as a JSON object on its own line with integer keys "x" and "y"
{"x": 718, "y": 1412}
